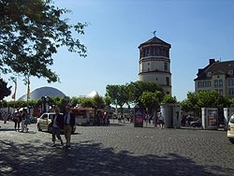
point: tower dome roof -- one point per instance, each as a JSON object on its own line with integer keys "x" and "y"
{"x": 155, "y": 40}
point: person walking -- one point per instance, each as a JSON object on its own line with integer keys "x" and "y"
{"x": 161, "y": 120}
{"x": 57, "y": 125}
{"x": 69, "y": 122}
{"x": 16, "y": 119}
{"x": 19, "y": 120}
{"x": 24, "y": 118}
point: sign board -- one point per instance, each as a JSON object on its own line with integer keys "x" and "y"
{"x": 138, "y": 117}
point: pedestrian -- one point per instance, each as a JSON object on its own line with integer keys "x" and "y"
{"x": 57, "y": 125}
{"x": 20, "y": 120}
{"x": 161, "y": 120}
{"x": 69, "y": 122}
{"x": 27, "y": 121}
{"x": 24, "y": 122}
{"x": 5, "y": 117}
{"x": 16, "y": 119}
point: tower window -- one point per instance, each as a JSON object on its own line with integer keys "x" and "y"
{"x": 165, "y": 66}
{"x": 146, "y": 52}
{"x": 167, "y": 81}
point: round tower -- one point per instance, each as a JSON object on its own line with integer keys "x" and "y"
{"x": 154, "y": 63}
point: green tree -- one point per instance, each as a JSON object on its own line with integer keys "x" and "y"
{"x": 151, "y": 100}
{"x": 31, "y": 32}
{"x": 169, "y": 99}
{"x": 118, "y": 95}
{"x": 4, "y": 90}
{"x": 191, "y": 103}
{"x": 212, "y": 98}
{"x": 87, "y": 102}
{"x": 136, "y": 89}
{"x": 98, "y": 102}
{"x": 112, "y": 93}
{"x": 107, "y": 100}
{"x": 196, "y": 100}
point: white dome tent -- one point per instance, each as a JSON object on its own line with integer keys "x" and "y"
{"x": 92, "y": 94}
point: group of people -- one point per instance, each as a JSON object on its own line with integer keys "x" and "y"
{"x": 102, "y": 119}
{"x": 21, "y": 120}
{"x": 59, "y": 122}
{"x": 65, "y": 122}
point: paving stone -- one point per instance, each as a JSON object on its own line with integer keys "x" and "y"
{"x": 117, "y": 149}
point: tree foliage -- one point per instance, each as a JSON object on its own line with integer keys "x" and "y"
{"x": 169, "y": 99}
{"x": 99, "y": 102}
{"x": 137, "y": 88}
{"x": 196, "y": 100}
{"x": 151, "y": 100}
{"x": 31, "y": 32}
{"x": 118, "y": 95}
{"x": 4, "y": 90}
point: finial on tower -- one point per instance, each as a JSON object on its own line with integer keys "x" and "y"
{"x": 154, "y": 33}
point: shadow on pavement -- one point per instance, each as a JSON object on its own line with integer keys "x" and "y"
{"x": 88, "y": 158}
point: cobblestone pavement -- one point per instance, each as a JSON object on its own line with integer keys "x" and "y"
{"x": 118, "y": 149}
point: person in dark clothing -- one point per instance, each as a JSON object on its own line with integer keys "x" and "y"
{"x": 57, "y": 125}
{"x": 69, "y": 122}
{"x": 19, "y": 120}
{"x": 16, "y": 119}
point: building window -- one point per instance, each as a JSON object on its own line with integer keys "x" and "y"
{"x": 200, "y": 84}
{"x": 230, "y": 82}
{"x": 208, "y": 84}
{"x": 154, "y": 51}
{"x": 146, "y": 51}
{"x": 221, "y": 91}
{"x": 220, "y": 83}
{"x": 230, "y": 72}
{"x": 204, "y": 84}
{"x": 157, "y": 50}
{"x": 231, "y": 91}
{"x": 165, "y": 66}
{"x": 167, "y": 81}
{"x": 209, "y": 74}
{"x": 216, "y": 83}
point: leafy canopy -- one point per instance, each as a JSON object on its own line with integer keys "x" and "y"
{"x": 4, "y": 90}
{"x": 31, "y": 32}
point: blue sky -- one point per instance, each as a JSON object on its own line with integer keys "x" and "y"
{"x": 197, "y": 30}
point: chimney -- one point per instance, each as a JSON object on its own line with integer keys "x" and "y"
{"x": 200, "y": 71}
{"x": 212, "y": 61}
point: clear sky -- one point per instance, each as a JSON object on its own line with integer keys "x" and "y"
{"x": 197, "y": 30}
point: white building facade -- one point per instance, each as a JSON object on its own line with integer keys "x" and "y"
{"x": 154, "y": 63}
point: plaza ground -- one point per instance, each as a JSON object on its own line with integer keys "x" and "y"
{"x": 117, "y": 149}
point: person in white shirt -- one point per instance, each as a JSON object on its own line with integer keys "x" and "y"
{"x": 161, "y": 120}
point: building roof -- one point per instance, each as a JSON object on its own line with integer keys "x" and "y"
{"x": 43, "y": 91}
{"x": 216, "y": 67}
{"x": 155, "y": 40}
